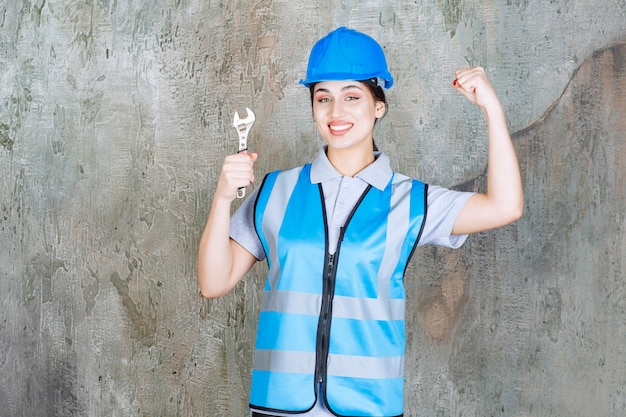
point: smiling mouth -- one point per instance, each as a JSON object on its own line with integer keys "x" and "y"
{"x": 339, "y": 128}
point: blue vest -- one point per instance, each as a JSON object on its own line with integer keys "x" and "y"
{"x": 336, "y": 319}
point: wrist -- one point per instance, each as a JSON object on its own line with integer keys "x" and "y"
{"x": 493, "y": 112}
{"x": 221, "y": 201}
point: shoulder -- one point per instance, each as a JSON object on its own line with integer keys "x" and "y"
{"x": 284, "y": 179}
{"x": 401, "y": 181}
{"x": 442, "y": 195}
{"x": 287, "y": 171}
{"x": 272, "y": 176}
{"x": 399, "y": 178}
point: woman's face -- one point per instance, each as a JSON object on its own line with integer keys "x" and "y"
{"x": 345, "y": 113}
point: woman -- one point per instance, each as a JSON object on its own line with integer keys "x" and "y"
{"x": 337, "y": 235}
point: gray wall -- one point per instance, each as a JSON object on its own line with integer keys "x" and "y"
{"x": 115, "y": 117}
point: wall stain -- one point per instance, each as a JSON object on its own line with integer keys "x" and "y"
{"x": 60, "y": 131}
{"x": 6, "y": 141}
{"x": 143, "y": 327}
{"x": 36, "y": 12}
{"x": 451, "y": 10}
{"x": 5, "y": 343}
{"x": 90, "y": 291}
{"x": 445, "y": 299}
{"x": 59, "y": 387}
{"x": 41, "y": 268}
{"x": 442, "y": 312}
{"x": 521, "y": 4}
{"x": 550, "y": 313}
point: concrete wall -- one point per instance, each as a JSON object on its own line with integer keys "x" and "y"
{"x": 115, "y": 116}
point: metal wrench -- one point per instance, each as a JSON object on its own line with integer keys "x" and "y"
{"x": 243, "y": 127}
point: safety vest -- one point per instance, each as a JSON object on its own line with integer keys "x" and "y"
{"x": 336, "y": 319}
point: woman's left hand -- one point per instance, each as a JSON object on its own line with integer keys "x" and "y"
{"x": 475, "y": 86}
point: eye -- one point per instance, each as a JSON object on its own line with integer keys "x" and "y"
{"x": 322, "y": 99}
{"x": 352, "y": 98}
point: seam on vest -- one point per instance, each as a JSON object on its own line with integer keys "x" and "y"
{"x": 419, "y": 235}
{"x": 400, "y": 220}
{"x": 256, "y": 201}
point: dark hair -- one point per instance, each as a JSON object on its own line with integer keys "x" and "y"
{"x": 377, "y": 92}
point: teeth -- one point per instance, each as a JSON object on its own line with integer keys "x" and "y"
{"x": 342, "y": 127}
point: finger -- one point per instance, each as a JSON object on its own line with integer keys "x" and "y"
{"x": 241, "y": 159}
{"x": 473, "y": 75}
{"x": 238, "y": 169}
{"x": 240, "y": 164}
{"x": 236, "y": 180}
{"x": 465, "y": 87}
{"x": 469, "y": 71}
{"x": 238, "y": 173}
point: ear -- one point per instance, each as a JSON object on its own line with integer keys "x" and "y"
{"x": 381, "y": 109}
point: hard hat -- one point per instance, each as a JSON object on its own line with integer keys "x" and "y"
{"x": 345, "y": 54}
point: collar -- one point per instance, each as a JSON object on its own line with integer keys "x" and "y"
{"x": 377, "y": 174}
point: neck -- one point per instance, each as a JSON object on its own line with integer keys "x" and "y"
{"x": 349, "y": 162}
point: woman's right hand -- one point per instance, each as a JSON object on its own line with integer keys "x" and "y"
{"x": 237, "y": 171}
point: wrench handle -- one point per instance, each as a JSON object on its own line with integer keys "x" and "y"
{"x": 241, "y": 191}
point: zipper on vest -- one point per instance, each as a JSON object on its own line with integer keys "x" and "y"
{"x": 323, "y": 329}
{"x": 328, "y": 293}
{"x": 326, "y": 313}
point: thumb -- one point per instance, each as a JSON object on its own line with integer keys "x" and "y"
{"x": 254, "y": 156}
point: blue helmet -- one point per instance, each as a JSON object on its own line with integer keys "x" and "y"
{"x": 345, "y": 54}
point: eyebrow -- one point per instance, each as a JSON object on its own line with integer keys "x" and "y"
{"x": 347, "y": 87}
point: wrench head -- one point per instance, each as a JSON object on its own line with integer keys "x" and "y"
{"x": 250, "y": 118}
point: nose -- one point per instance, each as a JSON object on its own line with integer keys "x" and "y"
{"x": 338, "y": 108}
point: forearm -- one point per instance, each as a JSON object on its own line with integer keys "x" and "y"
{"x": 215, "y": 255}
